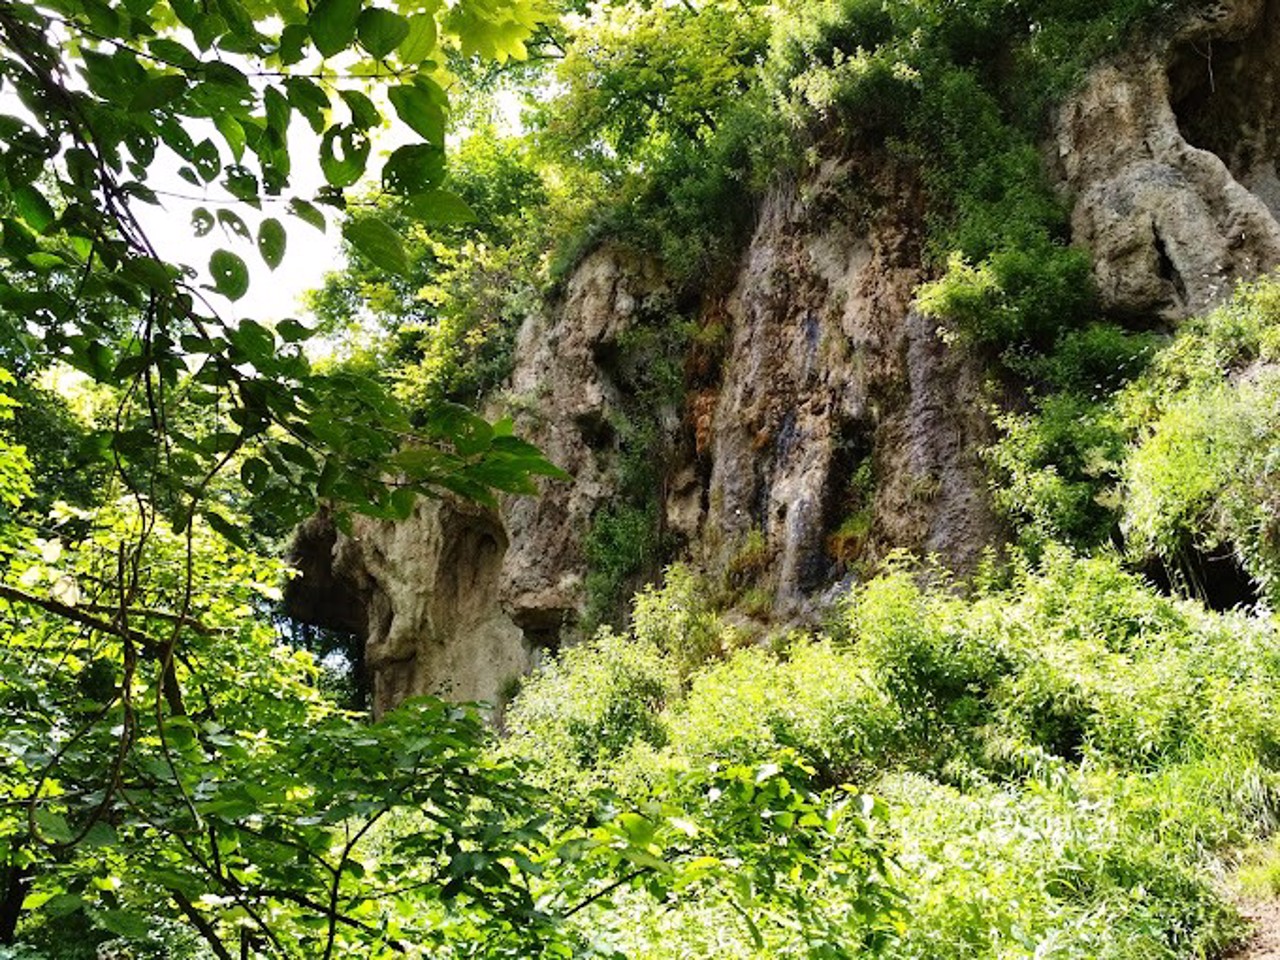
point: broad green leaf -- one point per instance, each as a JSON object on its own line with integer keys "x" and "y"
{"x": 363, "y": 113}
{"x": 123, "y": 923}
{"x": 377, "y": 242}
{"x": 233, "y": 133}
{"x": 333, "y": 25}
{"x": 202, "y": 221}
{"x": 147, "y": 271}
{"x": 344, "y": 152}
{"x": 233, "y": 223}
{"x": 254, "y": 341}
{"x": 206, "y": 160}
{"x": 33, "y": 208}
{"x": 381, "y": 31}
{"x": 307, "y": 213}
{"x": 158, "y": 92}
{"x": 293, "y": 40}
{"x": 254, "y": 474}
{"x": 278, "y": 110}
{"x": 230, "y": 275}
{"x": 291, "y": 331}
{"x": 172, "y": 53}
{"x": 420, "y": 41}
{"x": 54, "y": 826}
{"x": 414, "y": 169}
{"x": 440, "y": 207}
{"x": 242, "y": 184}
{"x": 271, "y": 242}
{"x": 309, "y": 100}
{"x": 418, "y": 108}
{"x": 226, "y": 529}
{"x": 62, "y": 905}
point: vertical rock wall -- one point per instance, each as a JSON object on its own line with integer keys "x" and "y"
{"x": 832, "y": 424}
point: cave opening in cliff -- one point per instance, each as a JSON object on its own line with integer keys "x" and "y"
{"x": 1218, "y": 90}
{"x": 847, "y": 513}
{"x": 340, "y": 657}
{"x": 1216, "y": 579}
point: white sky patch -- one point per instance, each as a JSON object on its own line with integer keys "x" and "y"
{"x": 309, "y": 254}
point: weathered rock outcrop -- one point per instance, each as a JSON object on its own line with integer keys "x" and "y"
{"x": 821, "y": 375}
{"x": 830, "y": 368}
{"x": 1171, "y": 158}
{"x": 423, "y": 592}
{"x": 568, "y": 396}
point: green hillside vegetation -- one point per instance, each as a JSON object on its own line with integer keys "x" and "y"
{"x": 1065, "y": 758}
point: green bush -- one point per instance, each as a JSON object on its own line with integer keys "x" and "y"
{"x": 677, "y": 618}
{"x": 1062, "y": 752}
{"x": 1203, "y": 474}
{"x": 586, "y": 707}
{"x": 819, "y": 700}
{"x": 1056, "y": 471}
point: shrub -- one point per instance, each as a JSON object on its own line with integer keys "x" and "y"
{"x": 819, "y": 700}
{"x": 677, "y": 619}
{"x": 1203, "y": 475}
{"x": 588, "y": 706}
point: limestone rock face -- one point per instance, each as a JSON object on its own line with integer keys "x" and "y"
{"x": 825, "y": 420}
{"x": 1171, "y": 158}
{"x": 423, "y": 592}
{"x": 567, "y": 397}
{"x": 830, "y": 370}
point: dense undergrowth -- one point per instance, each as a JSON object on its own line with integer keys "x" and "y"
{"x": 1059, "y": 757}
{"x": 1168, "y": 453}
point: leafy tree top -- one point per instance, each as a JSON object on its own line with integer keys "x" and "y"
{"x": 106, "y": 95}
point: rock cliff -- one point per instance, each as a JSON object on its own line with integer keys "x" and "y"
{"x": 824, "y": 421}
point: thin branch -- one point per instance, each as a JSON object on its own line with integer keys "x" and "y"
{"x": 202, "y": 924}
{"x": 82, "y": 617}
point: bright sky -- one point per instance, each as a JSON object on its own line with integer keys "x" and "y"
{"x": 309, "y": 254}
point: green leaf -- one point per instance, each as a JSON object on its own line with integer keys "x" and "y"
{"x": 147, "y": 271}
{"x": 378, "y": 243}
{"x": 53, "y": 825}
{"x": 420, "y": 41}
{"x": 158, "y": 92}
{"x": 291, "y": 331}
{"x": 413, "y": 169}
{"x": 333, "y": 25}
{"x": 293, "y": 39}
{"x": 381, "y": 31}
{"x": 254, "y": 474}
{"x": 202, "y": 221}
{"x": 230, "y": 275}
{"x": 309, "y": 100}
{"x": 233, "y": 133}
{"x": 440, "y": 207}
{"x": 418, "y": 108}
{"x": 254, "y": 341}
{"x": 123, "y": 924}
{"x": 344, "y": 152}
{"x": 173, "y": 53}
{"x": 363, "y": 113}
{"x": 307, "y": 213}
{"x": 62, "y": 905}
{"x": 33, "y": 208}
{"x": 225, "y": 529}
{"x": 271, "y": 242}
{"x": 234, "y": 224}
{"x": 242, "y": 184}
